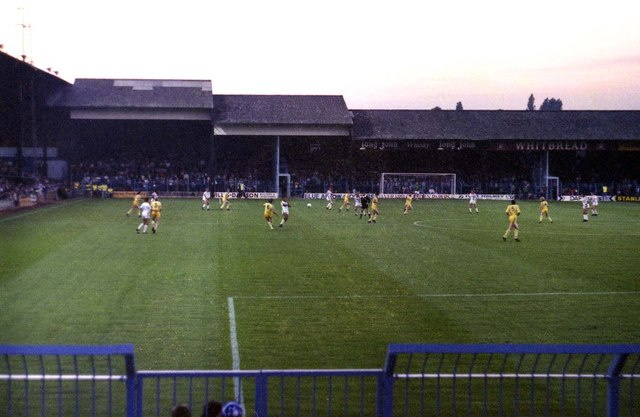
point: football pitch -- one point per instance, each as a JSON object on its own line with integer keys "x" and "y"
{"x": 219, "y": 290}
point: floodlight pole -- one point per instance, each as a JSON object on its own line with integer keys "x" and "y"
{"x": 26, "y": 34}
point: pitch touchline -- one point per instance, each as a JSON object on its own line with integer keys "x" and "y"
{"x": 38, "y": 210}
{"x": 450, "y": 295}
{"x": 235, "y": 352}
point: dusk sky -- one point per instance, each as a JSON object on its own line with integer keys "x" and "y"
{"x": 403, "y": 54}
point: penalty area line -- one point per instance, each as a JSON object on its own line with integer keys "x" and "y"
{"x": 420, "y": 223}
{"x": 444, "y": 295}
{"x": 235, "y": 351}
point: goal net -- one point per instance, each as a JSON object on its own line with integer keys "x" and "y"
{"x": 421, "y": 182}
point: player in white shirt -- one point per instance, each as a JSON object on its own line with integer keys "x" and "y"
{"x": 594, "y": 205}
{"x": 473, "y": 199}
{"x": 357, "y": 203}
{"x": 329, "y": 197}
{"x": 154, "y": 196}
{"x": 206, "y": 197}
{"x": 145, "y": 213}
{"x": 285, "y": 211}
{"x": 586, "y": 205}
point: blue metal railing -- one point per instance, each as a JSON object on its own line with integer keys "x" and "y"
{"x": 265, "y": 392}
{"x": 509, "y": 379}
{"x": 67, "y": 380}
{"x": 417, "y": 380}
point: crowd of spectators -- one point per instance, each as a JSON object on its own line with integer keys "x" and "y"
{"x": 141, "y": 174}
{"x": 167, "y": 176}
{"x": 160, "y": 176}
{"x": 312, "y": 169}
{"x": 14, "y": 191}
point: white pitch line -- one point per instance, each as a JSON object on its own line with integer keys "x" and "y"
{"x": 235, "y": 351}
{"x": 445, "y": 295}
{"x": 38, "y": 210}
{"x": 532, "y": 230}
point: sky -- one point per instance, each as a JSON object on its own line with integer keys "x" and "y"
{"x": 400, "y": 54}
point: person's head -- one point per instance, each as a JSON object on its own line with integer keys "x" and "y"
{"x": 232, "y": 409}
{"x": 270, "y": 200}
{"x": 513, "y": 201}
{"x": 212, "y": 409}
{"x": 181, "y": 410}
{"x": 146, "y": 199}
{"x": 541, "y": 198}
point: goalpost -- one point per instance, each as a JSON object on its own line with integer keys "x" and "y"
{"x": 423, "y": 182}
{"x": 553, "y": 188}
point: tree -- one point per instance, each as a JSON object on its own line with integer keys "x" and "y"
{"x": 459, "y": 106}
{"x": 530, "y": 104}
{"x": 551, "y": 104}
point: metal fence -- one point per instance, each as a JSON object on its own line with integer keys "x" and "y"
{"x": 67, "y": 381}
{"x": 332, "y": 392}
{"x": 512, "y": 380}
{"x": 416, "y": 380}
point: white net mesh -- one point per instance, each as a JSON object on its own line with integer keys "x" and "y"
{"x": 420, "y": 182}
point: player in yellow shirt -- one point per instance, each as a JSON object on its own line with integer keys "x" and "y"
{"x": 345, "y": 202}
{"x": 408, "y": 201}
{"x": 374, "y": 209}
{"x": 269, "y": 212}
{"x": 156, "y": 208}
{"x": 135, "y": 204}
{"x": 225, "y": 200}
{"x": 544, "y": 210}
{"x": 513, "y": 211}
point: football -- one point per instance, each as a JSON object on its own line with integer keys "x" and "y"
{"x": 308, "y": 204}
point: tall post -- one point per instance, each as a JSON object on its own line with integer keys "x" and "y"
{"x": 131, "y": 385}
{"x": 385, "y": 385}
{"x": 212, "y": 163}
{"x": 613, "y": 383}
{"x": 277, "y": 165}
{"x": 23, "y": 129}
{"x": 262, "y": 391}
{"x": 546, "y": 175}
{"x": 33, "y": 124}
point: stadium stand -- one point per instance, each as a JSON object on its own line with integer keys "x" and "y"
{"x": 176, "y": 136}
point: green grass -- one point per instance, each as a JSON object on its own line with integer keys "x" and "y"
{"x": 326, "y": 291}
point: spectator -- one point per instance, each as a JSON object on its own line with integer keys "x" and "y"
{"x": 181, "y": 410}
{"x": 232, "y": 409}
{"x": 212, "y": 409}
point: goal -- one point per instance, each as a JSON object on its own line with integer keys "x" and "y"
{"x": 422, "y": 182}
